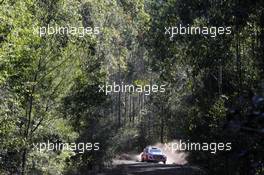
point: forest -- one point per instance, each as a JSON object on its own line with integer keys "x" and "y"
{"x": 110, "y": 77}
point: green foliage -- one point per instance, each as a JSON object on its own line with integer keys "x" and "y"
{"x": 49, "y": 84}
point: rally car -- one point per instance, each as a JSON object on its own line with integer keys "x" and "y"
{"x": 153, "y": 154}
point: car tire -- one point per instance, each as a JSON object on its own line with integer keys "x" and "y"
{"x": 164, "y": 162}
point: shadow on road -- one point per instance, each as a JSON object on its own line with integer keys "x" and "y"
{"x": 139, "y": 168}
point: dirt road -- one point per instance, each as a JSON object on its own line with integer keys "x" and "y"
{"x": 124, "y": 167}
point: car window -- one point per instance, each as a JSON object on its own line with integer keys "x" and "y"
{"x": 155, "y": 151}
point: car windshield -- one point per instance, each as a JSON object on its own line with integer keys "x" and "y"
{"x": 155, "y": 151}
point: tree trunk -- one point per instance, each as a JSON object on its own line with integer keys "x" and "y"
{"x": 119, "y": 98}
{"x": 133, "y": 111}
{"x": 162, "y": 126}
{"x": 130, "y": 109}
{"x": 125, "y": 107}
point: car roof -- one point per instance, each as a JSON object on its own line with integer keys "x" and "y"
{"x": 150, "y": 147}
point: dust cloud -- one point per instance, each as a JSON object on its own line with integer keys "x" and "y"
{"x": 173, "y": 156}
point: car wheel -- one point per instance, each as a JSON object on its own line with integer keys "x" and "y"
{"x": 164, "y": 162}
